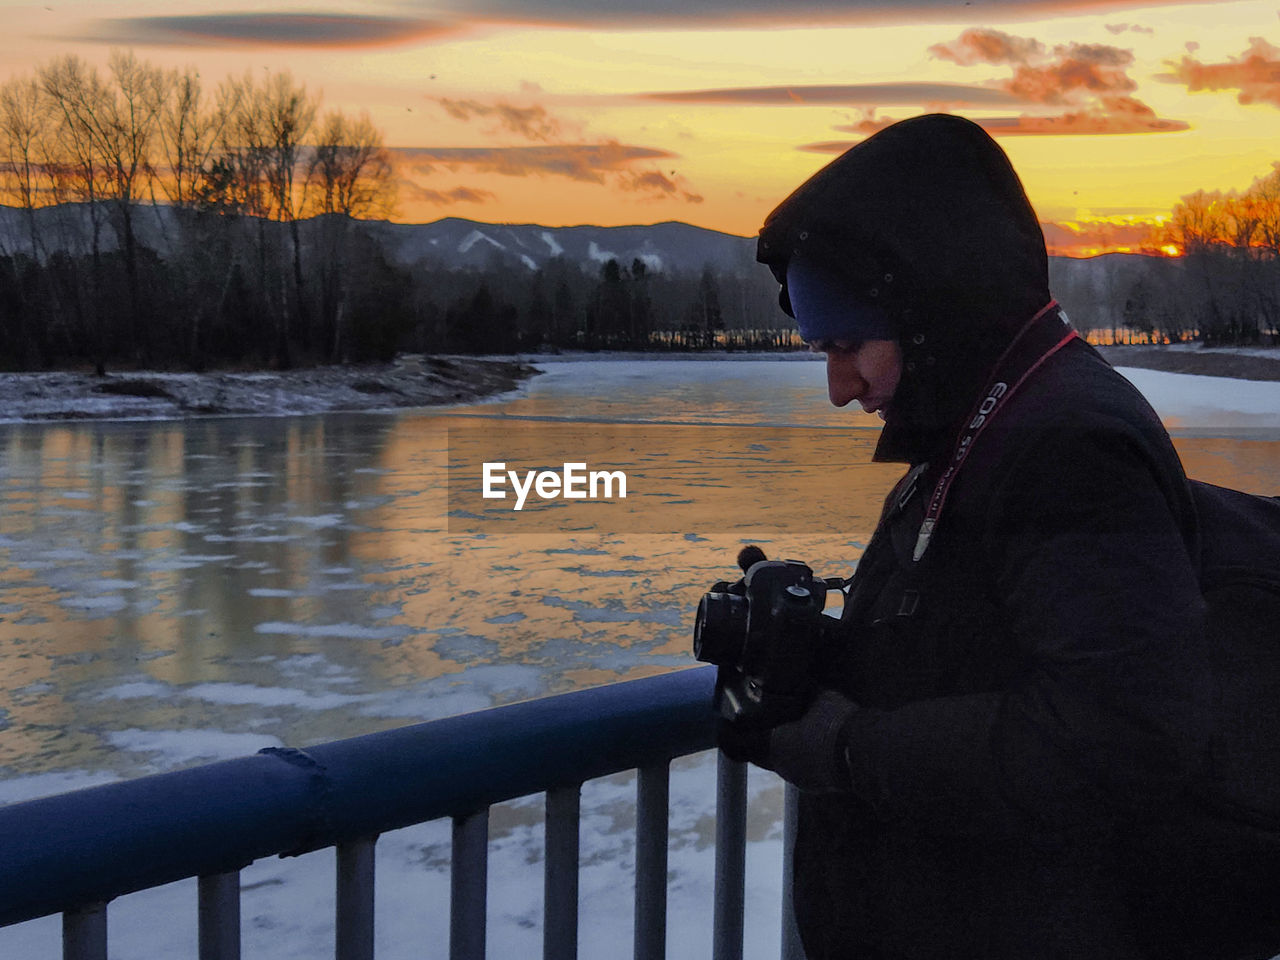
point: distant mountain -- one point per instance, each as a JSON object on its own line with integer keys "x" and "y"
{"x": 456, "y": 242}
{"x": 661, "y": 246}
{"x": 451, "y": 241}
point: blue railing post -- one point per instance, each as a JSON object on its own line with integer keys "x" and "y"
{"x": 469, "y": 885}
{"x": 218, "y": 916}
{"x": 354, "y": 901}
{"x": 731, "y": 858}
{"x": 652, "y": 800}
{"x": 84, "y": 932}
{"x": 560, "y": 882}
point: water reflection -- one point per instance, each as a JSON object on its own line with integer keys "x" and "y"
{"x": 176, "y": 592}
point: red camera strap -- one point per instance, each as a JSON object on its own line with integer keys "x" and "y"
{"x": 1040, "y": 338}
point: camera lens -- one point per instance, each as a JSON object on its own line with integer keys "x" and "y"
{"x": 720, "y": 628}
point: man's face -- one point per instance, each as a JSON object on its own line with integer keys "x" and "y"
{"x": 866, "y": 371}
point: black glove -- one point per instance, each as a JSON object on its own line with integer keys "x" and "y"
{"x": 809, "y": 752}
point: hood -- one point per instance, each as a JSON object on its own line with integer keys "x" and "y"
{"x": 928, "y": 219}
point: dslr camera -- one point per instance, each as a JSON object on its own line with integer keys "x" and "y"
{"x": 767, "y": 635}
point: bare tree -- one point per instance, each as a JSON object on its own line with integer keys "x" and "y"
{"x": 350, "y": 170}
{"x": 23, "y": 123}
{"x": 189, "y": 132}
{"x": 1266, "y": 193}
{"x": 289, "y": 112}
{"x": 348, "y": 176}
{"x": 112, "y": 125}
{"x": 20, "y": 129}
{"x": 261, "y": 150}
{"x": 77, "y": 174}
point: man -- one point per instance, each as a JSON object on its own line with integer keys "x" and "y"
{"x": 1018, "y": 680}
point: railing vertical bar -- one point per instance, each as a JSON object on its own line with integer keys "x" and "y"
{"x": 218, "y": 916}
{"x": 560, "y": 883}
{"x": 791, "y": 947}
{"x": 652, "y": 797}
{"x": 731, "y": 858}
{"x": 354, "y": 899}
{"x": 469, "y": 884}
{"x": 84, "y": 932}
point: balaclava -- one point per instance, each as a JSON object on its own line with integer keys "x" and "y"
{"x": 827, "y": 306}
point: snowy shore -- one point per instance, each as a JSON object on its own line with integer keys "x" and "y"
{"x": 412, "y": 380}
{"x": 1239, "y": 363}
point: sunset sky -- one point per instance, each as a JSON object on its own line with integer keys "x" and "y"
{"x": 710, "y": 111}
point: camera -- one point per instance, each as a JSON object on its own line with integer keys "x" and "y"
{"x": 767, "y": 635}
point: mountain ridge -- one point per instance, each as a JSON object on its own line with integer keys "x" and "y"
{"x": 452, "y": 242}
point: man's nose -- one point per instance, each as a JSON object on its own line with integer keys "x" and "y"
{"x": 844, "y": 383}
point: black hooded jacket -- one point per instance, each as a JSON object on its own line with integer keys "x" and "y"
{"x": 929, "y": 218}
{"x": 1034, "y": 684}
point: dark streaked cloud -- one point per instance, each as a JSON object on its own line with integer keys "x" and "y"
{"x": 588, "y": 162}
{"x": 726, "y": 13}
{"x": 1115, "y": 115}
{"x": 1254, "y": 74}
{"x": 532, "y": 122}
{"x": 886, "y": 94}
{"x": 319, "y": 29}
{"x": 410, "y": 190}
{"x": 610, "y": 164}
{"x": 1118, "y": 28}
{"x": 273, "y": 29}
{"x": 1111, "y": 115}
{"x": 657, "y": 184}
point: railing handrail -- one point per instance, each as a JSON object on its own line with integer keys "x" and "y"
{"x": 98, "y": 843}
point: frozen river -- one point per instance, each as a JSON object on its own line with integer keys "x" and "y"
{"x": 174, "y": 593}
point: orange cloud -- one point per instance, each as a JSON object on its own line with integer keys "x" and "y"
{"x": 983, "y": 45}
{"x": 1255, "y": 74}
{"x": 1072, "y": 70}
{"x": 1079, "y": 69}
{"x": 1088, "y": 82}
{"x": 532, "y": 122}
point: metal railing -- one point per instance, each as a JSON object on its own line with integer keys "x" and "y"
{"x": 74, "y": 852}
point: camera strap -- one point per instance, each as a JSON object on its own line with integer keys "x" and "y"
{"x": 1040, "y": 338}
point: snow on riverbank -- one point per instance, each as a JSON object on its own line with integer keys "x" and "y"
{"x": 412, "y": 380}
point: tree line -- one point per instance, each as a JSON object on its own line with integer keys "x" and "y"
{"x": 1209, "y": 272}
{"x": 223, "y": 181}
{"x": 153, "y": 221}
{"x": 506, "y": 308}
